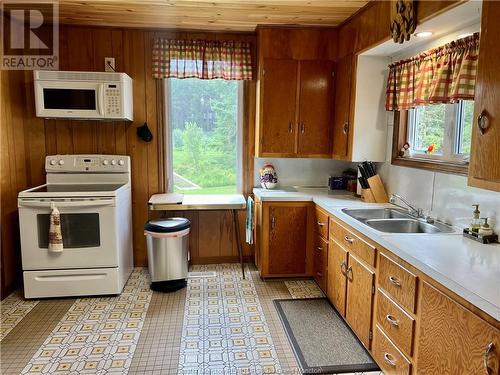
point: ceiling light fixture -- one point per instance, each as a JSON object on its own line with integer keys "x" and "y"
{"x": 423, "y": 34}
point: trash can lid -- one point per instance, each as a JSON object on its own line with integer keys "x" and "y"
{"x": 172, "y": 224}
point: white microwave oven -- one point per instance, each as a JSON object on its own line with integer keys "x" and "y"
{"x": 83, "y": 95}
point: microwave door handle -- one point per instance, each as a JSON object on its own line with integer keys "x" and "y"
{"x": 96, "y": 203}
{"x": 100, "y": 100}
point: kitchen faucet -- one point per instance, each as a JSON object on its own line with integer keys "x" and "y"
{"x": 413, "y": 211}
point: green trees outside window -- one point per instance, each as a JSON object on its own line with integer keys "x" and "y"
{"x": 203, "y": 117}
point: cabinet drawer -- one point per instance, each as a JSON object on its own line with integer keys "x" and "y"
{"x": 321, "y": 223}
{"x": 387, "y": 356}
{"x": 321, "y": 262}
{"x": 398, "y": 281}
{"x": 352, "y": 242}
{"x": 395, "y": 321}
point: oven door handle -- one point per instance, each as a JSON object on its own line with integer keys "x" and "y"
{"x": 59, "y": 204}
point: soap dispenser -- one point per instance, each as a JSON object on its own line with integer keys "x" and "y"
{"x": 475, "y": 223}
{"x": 485, "y": 229}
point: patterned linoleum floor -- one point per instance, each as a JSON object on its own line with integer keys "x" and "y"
{"x": 220, "y": 324}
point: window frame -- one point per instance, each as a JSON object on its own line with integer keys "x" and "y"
{"x": 169, "y": 188}
{"x": 401, "y": 130}
{"x": 452, "y": 134}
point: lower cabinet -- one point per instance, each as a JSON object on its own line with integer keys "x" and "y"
{"x": 452, "y": 339}
{"x": 360, "y": 291}
{"x": 350, "y": 289}
{"x": 285, "y": 239}
{"x": 337, "y": 281}
{"x": 320, "y": 262}
{"x": 387, "y": 355}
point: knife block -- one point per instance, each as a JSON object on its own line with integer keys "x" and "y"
{"x": 378, "y": 190}
{"x": 367, "y": 196}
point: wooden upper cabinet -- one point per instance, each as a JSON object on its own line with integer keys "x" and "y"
{"x": 278, "y": 119}
{"x": 342, "y": 108}
{"x": 484, "y": 167}
{"x": 315, "y": 107}
{"x": 287, "y": 239}
{"x": 295, "y": 92}
{"x": 453, "y": 340}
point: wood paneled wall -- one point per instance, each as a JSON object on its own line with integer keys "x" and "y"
{"x": 26, "y": 139}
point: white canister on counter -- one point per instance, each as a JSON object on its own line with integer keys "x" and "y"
{"x": 268, "y": 176}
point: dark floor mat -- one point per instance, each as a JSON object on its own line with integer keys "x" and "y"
{"x": 321, "y": 340}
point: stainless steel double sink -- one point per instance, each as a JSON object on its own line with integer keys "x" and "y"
{"x": 393, "y": 220}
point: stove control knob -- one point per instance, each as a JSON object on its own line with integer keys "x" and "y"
{"x": 113, "y": 162}
{"x": 52, "y": 162}
{"x": 121, "y": 162}
{"x": 105, "y": 162}
{"x": 61, "y": 162}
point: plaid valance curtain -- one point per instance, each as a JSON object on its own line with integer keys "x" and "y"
{"x": 442, "y": 75}
{"x": 204, "y": 59}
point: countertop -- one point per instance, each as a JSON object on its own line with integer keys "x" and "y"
{"x": 164, "y": 202}
{"x": 467, "y": 268}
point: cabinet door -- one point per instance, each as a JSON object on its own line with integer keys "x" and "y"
{"x": 453, "y": 340}
{"x": 484, "y": 167}
{"x": 337, "y": 282}
{"x": 315, "y": 108}
{"x": 360, "y": 286}
{"x": 320, "y": 267}
{"x": 277, "y": 131}
{"x": 342, "y": 108}
{"x": 287, "y": 240}
{"x": 257, "y": 234}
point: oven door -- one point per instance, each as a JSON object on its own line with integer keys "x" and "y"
{"x": 88, "y": 230}
{"x": 69, "y": 99}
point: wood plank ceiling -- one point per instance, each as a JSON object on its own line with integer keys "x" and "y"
{"x": 233, "y": 15}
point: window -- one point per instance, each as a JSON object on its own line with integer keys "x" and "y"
{"x": 441, "y": 131}
{"x": 204, "y": 135}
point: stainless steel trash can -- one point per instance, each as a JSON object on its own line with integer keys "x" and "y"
{"x": 168, "y": 246}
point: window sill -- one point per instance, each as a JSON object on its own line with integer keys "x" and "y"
{"x": 460, "y": 168}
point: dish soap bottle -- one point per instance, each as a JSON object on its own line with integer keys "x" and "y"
{"x": 485, "y": 229}
{"x": 475, "y": 223}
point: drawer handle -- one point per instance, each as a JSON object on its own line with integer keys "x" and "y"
{"x": 319, "y": 248}
{"x": 392, "y": 320}
{"x": 349, "y": 271}
{"x": 343, "y": 268}
{"x": 321, "y": 224}
{"x": 389, "y": 359}
{"x": 394, "y": 280}
{"x": 486, "y": 357}
{"x": 348, "y": 239}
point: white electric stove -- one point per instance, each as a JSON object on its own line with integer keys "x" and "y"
{"x": 93, "y": 195}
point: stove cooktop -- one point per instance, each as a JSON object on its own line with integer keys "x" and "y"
{"x": 74, "y": 188}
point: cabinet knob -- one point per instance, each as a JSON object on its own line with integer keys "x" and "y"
{"x": 394, "y": 280}
{"x": 343, "y": 268}
{"x": 486, "y": 357}
{"x": 348, "y": 239}
{"x": 273, "y": 222}
{"x": 319, "y": 248}
{"x": 392, "y": 320}
{"x": 302, "y": 127}
{"x": 389, "y": 359}
{"x": 345, "y": 128}
{"x": 290, "y": 127}
{"x": 483, "y": 122}
{"x": 321, "y": 224}
{"x": 349, "y": 272}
